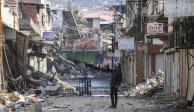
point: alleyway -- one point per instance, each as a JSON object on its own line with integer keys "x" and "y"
{"x": 101, "y": 104}
{"x": 69, "y": 55}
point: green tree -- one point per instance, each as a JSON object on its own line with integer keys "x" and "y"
{"x": 79, "y": 18}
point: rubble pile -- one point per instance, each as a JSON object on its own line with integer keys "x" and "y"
{"x": 70, "y": 70}
{"x": 48, "y": 84}
{"x": 52, "y": 82}
{"x": 148, "y": 87}
{"x": 9, "y": 101}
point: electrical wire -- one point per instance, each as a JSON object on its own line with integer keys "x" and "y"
{"x": 69, "y": 27}
{"x": 11, "y": 78}
{"x": 75, "y": 27}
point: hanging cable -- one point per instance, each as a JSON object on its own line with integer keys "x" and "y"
{"x": 74, "y": 27}
{"x": 69, "y": 27}
{"x": 11, "y": 78}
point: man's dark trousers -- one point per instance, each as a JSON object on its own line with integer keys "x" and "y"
{"x": 114, "y": 97}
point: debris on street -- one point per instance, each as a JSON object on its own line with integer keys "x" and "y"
{"x": 148, "y": 87}
{"x": 15, "y": 100}
{"x": 52, "y": 83}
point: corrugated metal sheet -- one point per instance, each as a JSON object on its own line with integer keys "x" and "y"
{"x": 172, "y": 72}
{"x": 183, "y": 73}
{"x": 191, "y": 76}
{"x": 159, "y": 63}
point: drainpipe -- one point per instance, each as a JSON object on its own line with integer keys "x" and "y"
{"x": 146, "y": 65}
{"x": 113, "y": 25}
{"x": 1, "y": 45}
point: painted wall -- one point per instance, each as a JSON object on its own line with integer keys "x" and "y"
{"x": 133, "y": 66}
{"x": 9, "y": 15}
{"x": 128, "y": 69}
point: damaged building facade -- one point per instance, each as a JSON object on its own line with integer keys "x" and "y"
{"x": 28, "y": 37}
{"x": 163, "y": 42}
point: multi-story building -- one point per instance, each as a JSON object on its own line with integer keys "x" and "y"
{"x": 179, "y": 48}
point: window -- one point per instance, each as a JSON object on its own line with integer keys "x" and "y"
{"x": 89, "y": 22}
{"x": 43, "y": 23}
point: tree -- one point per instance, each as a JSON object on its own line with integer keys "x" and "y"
{"x": 79, "y": 19}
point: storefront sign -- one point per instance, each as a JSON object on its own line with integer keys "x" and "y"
{"x": 155, "y": 28}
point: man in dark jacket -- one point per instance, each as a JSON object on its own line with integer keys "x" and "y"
{"x": 116, "y": 80}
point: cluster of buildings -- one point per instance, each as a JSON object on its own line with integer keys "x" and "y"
{"x": 163, "y": 41}
{"x": 146, "y": 36}
{"x": 30, "y": 38}
{"x": 96, "y": 38}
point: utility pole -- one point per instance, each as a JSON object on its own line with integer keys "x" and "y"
{"x": 139, "y": 21}
{"x": 1, "y": 53}
{"x": 113, "y": 41}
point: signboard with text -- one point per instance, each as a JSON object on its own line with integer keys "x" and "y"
{"x": 49, "y": 35}
{"x": 155, "y": 28}
{"x": 126, "y": 43}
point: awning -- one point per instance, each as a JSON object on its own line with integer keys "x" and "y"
{"x": 161, "y": 36}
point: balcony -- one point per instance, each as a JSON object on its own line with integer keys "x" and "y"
{"x": 28, "y": 24}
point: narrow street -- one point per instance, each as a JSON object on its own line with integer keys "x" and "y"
{"x": 101, "y": 104}
{"x": 98, "y": 86}
{"x": 81, "y": 55}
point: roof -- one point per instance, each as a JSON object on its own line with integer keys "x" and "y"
{"x": 81, "y": 43}
{"x": 10, "y": 2}
{"x": 105, "y": 15}
{"x": 88, "y": 45}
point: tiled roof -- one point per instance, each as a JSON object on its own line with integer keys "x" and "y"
{"x": 10, "y": 2}
{"x": 79, "y": 44}
{"x": 106, "y": 15}
{"x": 88, "y": 45}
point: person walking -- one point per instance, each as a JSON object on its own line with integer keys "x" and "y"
{"x": 116, "y": 80}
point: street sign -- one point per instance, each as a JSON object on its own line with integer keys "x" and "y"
{"x": 155, "y": 28}
{"x": 126, "y": 43}
{"x": 178, "y": 8}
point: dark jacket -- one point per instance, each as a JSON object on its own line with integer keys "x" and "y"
{"x": 116, "y": 78}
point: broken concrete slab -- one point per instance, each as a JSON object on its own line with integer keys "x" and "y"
{"x": 148, "y": 87}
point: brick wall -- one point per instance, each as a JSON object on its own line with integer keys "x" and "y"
{"x": 30, "y": 11}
